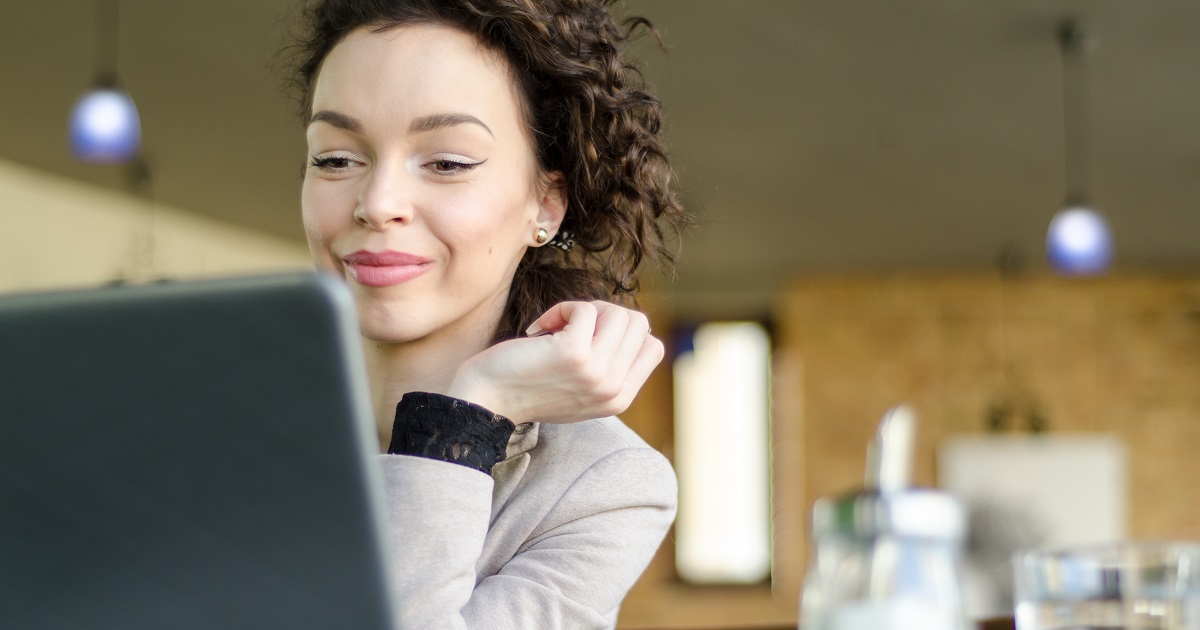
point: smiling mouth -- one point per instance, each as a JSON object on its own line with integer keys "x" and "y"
{"x": 386, "y": 268}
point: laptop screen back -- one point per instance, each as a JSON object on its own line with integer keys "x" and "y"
{"x": 188, "y": 455}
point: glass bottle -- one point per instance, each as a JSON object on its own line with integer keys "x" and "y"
{"x": 887, "y": 557}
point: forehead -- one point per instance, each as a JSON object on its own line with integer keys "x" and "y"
{"x": 416, "y": 70}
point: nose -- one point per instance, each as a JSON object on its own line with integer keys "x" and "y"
{"x": 384, "y": 197}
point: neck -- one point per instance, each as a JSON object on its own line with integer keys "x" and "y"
{"x": 423, "y": 365}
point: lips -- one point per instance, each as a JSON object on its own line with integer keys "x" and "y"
{"x": 386, "y": 268}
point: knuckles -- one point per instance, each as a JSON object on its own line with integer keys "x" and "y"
{"x": 589, "y": 308}
{"x": 638, "y": 321}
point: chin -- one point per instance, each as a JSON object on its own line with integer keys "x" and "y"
{"x": 389, "y": 332}
{"x": 396, "y": 321}
{"x": 384, "y": 324}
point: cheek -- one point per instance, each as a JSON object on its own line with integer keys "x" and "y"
{"x": 320, "y": 217}
{"x": 491, "y": 225}
{"x": 463, "y": 234}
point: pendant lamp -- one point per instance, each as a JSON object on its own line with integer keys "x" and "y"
{"x": 1078, "y": 242}
{"x": 105, "y": 127}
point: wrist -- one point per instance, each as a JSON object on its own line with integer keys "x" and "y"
{"x": 469, "y": 389}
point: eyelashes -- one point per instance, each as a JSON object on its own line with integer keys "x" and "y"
{"x": 334, "y": 163}
{"x": 451, "y": 167}
{"x": 443, "y": 168}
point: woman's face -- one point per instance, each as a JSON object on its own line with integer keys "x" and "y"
{"x": 422, "y": 189}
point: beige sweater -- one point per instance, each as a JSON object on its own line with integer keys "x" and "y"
{"x": 553, "y": 539}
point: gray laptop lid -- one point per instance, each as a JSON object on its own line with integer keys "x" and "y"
{"x": 188, "y": 455}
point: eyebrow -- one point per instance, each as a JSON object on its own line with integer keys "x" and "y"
{"x": 341, "y": 121}
{"x": 432, "y": 122}
{"x": 441, "y": 121}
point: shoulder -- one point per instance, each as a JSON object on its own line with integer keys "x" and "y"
{"x": 600, "y": 436}
{"x": 592, "y": 441}
{"x": 606, "y": 456}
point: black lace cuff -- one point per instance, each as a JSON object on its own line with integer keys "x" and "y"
{"x": 449, "y": 429}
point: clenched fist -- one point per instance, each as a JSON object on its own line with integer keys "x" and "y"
{"x": 582, "y": 360}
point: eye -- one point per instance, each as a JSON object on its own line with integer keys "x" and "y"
{"x": 451, "y": 167}
{"x": 332, "y": 163}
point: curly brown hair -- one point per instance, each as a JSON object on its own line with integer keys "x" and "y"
{"x": 592, "y": 120}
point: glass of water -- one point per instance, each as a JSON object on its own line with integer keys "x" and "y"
{"x": 1128, "y": 586}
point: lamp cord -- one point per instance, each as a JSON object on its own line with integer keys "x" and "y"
{"x": 1073, "y": 44}
{"x": 108, "y": 24}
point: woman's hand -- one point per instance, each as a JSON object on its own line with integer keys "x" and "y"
{"x": 585, "y": 360}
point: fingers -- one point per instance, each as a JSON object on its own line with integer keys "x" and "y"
{"x": 604, "y": 354}
{"x": 605, "y": 336}
{"x": 612, "y": 326}
{"x": 620, "y": 334}
{"x": 562, "y": 315}
{"x": 648, "y": 358}
{"x": 649, "y": 355}
{"x": 623, "y": 355}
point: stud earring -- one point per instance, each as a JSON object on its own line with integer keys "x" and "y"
{"x": 541, "y": 236}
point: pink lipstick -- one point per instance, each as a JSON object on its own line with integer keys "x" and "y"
{"x": 386, "y": 268}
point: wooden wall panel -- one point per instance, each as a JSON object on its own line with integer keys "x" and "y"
{"x": 1118, "y": 355}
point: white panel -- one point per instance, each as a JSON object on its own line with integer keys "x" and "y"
{"x": 1073, "y": 486}
{"x": 721, "y": 434}
{"x": 1028, "y": 491}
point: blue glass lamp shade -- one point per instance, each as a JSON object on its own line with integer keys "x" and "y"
{"x": 105, "y": 128}
{"x": 1078, "y": 242}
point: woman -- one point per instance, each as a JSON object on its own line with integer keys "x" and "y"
{"x": 487, "y": 180}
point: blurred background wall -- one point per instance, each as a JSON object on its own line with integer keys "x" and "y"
{"x": 873, "y": 182}
{"x": 59, "y": 233}
{"x": 1114, "y": 356}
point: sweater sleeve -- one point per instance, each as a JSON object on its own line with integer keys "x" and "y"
{"x": 575, "y": 570}
{"x": 571, "y": 573}
{"x": 449, "y": 429}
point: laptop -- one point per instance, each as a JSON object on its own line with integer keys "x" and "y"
{"x": 193, "y": 454}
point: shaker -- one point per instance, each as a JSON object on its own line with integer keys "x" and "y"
{"x": 887, "y": 557}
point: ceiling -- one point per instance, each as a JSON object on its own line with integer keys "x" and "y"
{"x": 810, "y": 137}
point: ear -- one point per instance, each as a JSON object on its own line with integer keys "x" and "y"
{"x": 552, "y": 201}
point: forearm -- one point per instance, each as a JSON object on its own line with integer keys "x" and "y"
{"x": 438, "y": 519}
